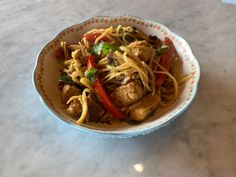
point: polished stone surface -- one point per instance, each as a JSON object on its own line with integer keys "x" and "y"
{"x": 201, "y": 143}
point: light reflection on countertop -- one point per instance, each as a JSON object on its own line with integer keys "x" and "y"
{"x": 138, "y": 167}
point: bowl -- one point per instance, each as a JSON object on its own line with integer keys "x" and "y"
{"x": 46, "y": 74}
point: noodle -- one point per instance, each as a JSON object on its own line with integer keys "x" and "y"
{"x": 184, "y": 79}
{"x": 103, "y": 34}
{"x": 84, "y": 105}
{"x": 175, "y": 86}
{"x": 63, "y": 46}
{"x": 129, "y": 56}
{"x": 86, "y": 83}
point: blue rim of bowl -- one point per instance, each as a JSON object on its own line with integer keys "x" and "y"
{"x": 117, "y": 134}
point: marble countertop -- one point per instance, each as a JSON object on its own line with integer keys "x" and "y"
{"x": 201, "y": 143}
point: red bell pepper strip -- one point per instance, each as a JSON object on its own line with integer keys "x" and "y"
{"x": 91, "y": 62}
{"x": 105, "y": 99}
{"x": 165, "y": 61}
{"x": 91, "y": 37}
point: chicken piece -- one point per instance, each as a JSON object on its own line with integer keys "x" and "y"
{"x": 69, "y": 91}
{"x": 75, "y": 108}
{"x": 154, "y": 41}
{"x": 96, "y": 110}
{"x": 145, "y": 107}
{"x": 139, "y": 43}
{"x": 127, "y": 94}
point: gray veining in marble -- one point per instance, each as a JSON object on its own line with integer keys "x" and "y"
{"x": 202, "y": 143}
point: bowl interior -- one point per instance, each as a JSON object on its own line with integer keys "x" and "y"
{"x": 47, "y": 73}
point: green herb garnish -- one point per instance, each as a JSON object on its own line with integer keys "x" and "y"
{"x": 129, "y": 38}
{"x": 68, "y": 80}
{"x": 163, "y": 49}
{"x": 98, "y": 48}
{"x": 90, "y": 74}
{"x": 104, "y": 48}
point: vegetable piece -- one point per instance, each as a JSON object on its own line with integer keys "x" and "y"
{"x": 163, "y": 49}
{"x": 165, "y": 61}
{"x": 91, "y": 62}
{"x": 96, "y": 110}
{"x": 68, "y": 80}
{"x": 91, "y": 37}
{"x": 90, "y": 74}
{"x": 97, "y": 48}
{"x": 105, "y": 99}
{"x": 134, "y": 29}
{"x": 127, "y": 37}
{"x": 104, "y": 48}
{"x": 111, "y": 61}
{"x": 107, "y": 48}
{"x": 91, "y": 65}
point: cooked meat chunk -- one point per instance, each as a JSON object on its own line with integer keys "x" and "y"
{"x": 127, "y": 94}
{"x": 139, "y": 43}
{"x": 69, "y": 91}
{"x": 75, "y": 108}
{"x": 144, "y": 108}
{"x": 154, "y": 41}
{"x": 96, "y": 110}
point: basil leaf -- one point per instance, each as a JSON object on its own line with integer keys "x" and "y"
{"x": 107, "y": 48}
{"x": 104, "y": 48}
{"x": 90, "y": 72}
{"x": 163, "y": 49}
{"x": 129, "y": 38}
{"x": 93, "y": 78}
{"x": 68, "y": 80}
{"x": 98, "y": 48}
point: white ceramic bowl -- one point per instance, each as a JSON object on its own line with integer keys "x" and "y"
{"x": 46, "y": 74}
